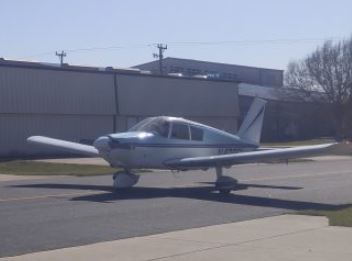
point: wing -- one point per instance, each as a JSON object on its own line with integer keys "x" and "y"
{"x": 68, "y": 146}
{"x": 252, "y": 156}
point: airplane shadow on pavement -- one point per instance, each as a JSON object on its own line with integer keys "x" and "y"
{"x": 206, "y": 193}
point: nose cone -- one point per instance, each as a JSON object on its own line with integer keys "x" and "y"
{"x": 102, "y": 144}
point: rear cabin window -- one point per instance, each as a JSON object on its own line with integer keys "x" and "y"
{"x": 196, "y": 133}
{"x": 180, "y": 131}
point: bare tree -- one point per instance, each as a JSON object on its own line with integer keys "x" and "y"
{"x": 326, "y": 76}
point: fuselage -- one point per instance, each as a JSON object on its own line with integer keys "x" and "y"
{"x": 155, "y": 141}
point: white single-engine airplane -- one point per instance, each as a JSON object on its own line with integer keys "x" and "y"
{"x": 179, "y": 144}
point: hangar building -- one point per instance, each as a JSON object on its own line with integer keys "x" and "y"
{"x": 231, "y": 72}
{"x": 286, "y": 118}
{"x": 288, "y": 115}
{"x": 81, "y": 103}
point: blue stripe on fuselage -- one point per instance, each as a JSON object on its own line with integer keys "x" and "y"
{"x": 177, "y": 145}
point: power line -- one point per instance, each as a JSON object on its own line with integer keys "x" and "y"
{"x": 108, "y": 47}
{"x": 196, "y": 44}
{"x": 258, "y": 41}
{"x": 88, "y": 49}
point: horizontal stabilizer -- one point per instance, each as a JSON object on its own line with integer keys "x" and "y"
{"x": 72, "y": 147}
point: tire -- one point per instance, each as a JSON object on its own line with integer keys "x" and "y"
{"x": 225, "y": 191}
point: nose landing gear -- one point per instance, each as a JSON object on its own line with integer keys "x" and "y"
{"x": 124, "y": 179}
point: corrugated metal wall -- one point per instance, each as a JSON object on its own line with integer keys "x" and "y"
{"x": 81, "y": 105}
{"x": 142, "y": 95}
{"x": 213, "y": 103}
{"x": 26, "y": 90}
{"x": 76, "y": 106}
{"x": 15, "y": 128}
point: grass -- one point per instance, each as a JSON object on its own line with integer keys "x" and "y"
{"x": 339, "y": 217}
{"x": 24, "y": 167}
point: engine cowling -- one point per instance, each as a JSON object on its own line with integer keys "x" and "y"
{"x": 125, "y": 179}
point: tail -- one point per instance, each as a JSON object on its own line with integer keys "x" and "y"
{"x": 251, "y": 128}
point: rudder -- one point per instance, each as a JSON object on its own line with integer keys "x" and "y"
{"x": 251, "y": 128}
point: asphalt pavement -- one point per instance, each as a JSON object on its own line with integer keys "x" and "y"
{"x": 50, "y": 213}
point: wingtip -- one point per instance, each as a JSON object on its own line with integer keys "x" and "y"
{"x": 33, "y": 138}
{"x": 29, "y": 139}
{"x": 341, "y": 148}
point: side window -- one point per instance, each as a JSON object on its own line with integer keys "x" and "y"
{"x": 180, "y": 131}
{"x": 196, "y": 133}
{"x": 163, "y": 129}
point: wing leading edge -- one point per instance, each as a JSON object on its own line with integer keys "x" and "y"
{"x": 68, "y": 146}
{"x": 253, "y": 156}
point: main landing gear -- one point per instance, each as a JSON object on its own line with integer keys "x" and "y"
{"x": 224, "y": 183}
{"x": 124, "y": 179}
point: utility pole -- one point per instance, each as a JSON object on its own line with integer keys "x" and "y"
{"x": 161, "y": 48}
{"x": 61, "y": 56}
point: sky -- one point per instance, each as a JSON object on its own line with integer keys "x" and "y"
{"x": 118, "y": 33}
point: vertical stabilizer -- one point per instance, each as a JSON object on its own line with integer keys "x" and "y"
{"x": 251, "y": 128}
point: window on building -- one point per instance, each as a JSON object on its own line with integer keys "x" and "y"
{"x": 226, "y": 76}
{"x": 173, "y": 69}
{"x": 179, "y": 69}
{"x": 196, "y": 133}
{"x": 189, "y": 71}
{"x": 180, "y": 131}
{"x": 196, "y": 71}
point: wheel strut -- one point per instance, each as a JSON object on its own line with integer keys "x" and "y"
{"x": 218, "y": 172}
{"x": 224, "y": 183}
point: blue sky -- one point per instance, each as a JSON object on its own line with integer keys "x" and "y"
{"x": 256, "y": 33}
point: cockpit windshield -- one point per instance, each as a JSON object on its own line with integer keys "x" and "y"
{"x": 155, "y": 125}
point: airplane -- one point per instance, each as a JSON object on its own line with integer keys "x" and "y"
{"x": 179, "y": 144}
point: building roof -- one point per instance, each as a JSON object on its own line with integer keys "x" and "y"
{"x": 94, "y": 69}
{"x": 278, "y": 94}
{"x": 167, "y": 59}
{"x": 65, "y": 66}
{"x": 230, "y": 72}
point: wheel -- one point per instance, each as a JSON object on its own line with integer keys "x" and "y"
{"x": 225, "y": 191}
{"x": 121, "y": 191}
{"x": 225, "y": 184}
{"x": 124, "y": 179}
